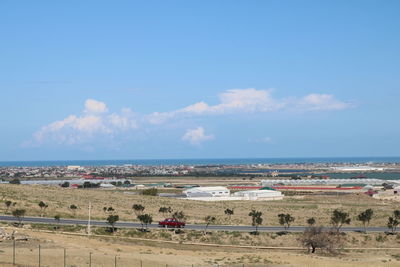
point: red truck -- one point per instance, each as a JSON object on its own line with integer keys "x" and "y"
{"x": 172, "y": 223}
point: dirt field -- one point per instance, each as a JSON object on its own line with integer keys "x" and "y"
{"x": 319, "y": 207}
{"x": 130, "y": 253}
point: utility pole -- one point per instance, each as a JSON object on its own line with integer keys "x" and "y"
{"x": 14, "y": 251}
{"x": 88, "y": 226}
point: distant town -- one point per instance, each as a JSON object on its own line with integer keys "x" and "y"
{"x": 125, "y": 171}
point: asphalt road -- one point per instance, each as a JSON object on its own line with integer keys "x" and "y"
{"x": 237, "y": 228}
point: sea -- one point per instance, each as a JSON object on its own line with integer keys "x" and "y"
{"x": 209, "y": 161}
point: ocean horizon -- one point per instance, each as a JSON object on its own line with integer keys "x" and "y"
{"x": 201, "y": 161}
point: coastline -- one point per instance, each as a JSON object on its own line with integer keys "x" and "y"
{"x": 209, "y": 161}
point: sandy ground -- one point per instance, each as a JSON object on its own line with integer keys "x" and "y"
{"x": 132, "y": 253}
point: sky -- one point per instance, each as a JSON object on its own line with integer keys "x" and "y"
{"x": 199, "y": 79}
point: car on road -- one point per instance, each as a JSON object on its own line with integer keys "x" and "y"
{"x": 171, "y": 223}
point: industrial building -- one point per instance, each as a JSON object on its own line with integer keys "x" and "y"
{"x": 220, "y": 193}
{"x": 209, "y": 191}
{"x": 357, "y": 168}
{"x": 322, "y": 182}
{"x": 261, "y": 194}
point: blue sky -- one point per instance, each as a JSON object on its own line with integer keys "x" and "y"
{"x": 198, "y": 79}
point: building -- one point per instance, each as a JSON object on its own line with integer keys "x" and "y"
{"x": 357, "y": 168}
{"x": 261, "y": 194}
{"x": 220, "y": 193}
{"x": 209, "y": 191}
{"x": 73, "y": 167}
{"x": 368, "y": 181}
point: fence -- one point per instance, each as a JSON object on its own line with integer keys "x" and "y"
{"x": 20, "y": 253}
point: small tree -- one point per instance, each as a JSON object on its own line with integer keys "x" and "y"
{"x": 165, "y": 210}
{"x": 311, "y": 221}
{"x": 145, "y": 219}
{"x": 87, "y": 184}
{"x": 110, "y": 210}
{"x": 179, "y": 215}
{"x": 339, "y": 218}
{"x": 285, "y": 220}
{"x": 73, "y": 209}
{"x": 394, "y": 221}
{"x": 57, "y": 218}
{"x": 396, "y": 214}
{"x": 19, "y": 214}
{"x": 316, "y": 238}
{"x": 392, "y": 224}
{"x": 138, "y": 209}
{"x": 111, "y": 220}
{"x": 8, "y": 204}
{"x": 229, "y": 212}
{"x": 365, "y": 217}
{"x": 43, "y": 207}
{"x": 256, "y": 219}
{"x": 209, "y": 220}
{"x": 65, "y": 184}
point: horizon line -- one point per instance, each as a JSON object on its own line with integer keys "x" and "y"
{"x": 204, "y": 158}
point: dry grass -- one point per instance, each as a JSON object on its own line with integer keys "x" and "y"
{"x": 158, "y": 254}
{"x": 130, "y": 253}
{"x": 319, "y": 207}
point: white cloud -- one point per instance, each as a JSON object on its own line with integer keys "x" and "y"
{"x": 71, "y": 130}
{"x": 94, "y": 106}
{"x": 251, "y": 100}
{"x": 92, "y": 122}
{"x": 124, "y": 121}
{"x": 243, "y": 100}
{"x": 321, "y": 102}
{"x": 95, "y": 120}
{"x": 248, "y": 100}
{"x": 196, "y": 136}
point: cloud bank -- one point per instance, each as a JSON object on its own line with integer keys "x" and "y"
{"x": 252, "y": 100}
{"x": 96, "y": 121}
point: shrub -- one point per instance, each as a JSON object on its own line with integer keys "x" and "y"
{"x": 165, "y": 235}
{"x": 150, "y": 192}
{"x": 15, "y": 181}
{"x": 380, "y": 238}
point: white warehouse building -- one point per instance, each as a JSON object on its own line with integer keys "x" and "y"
{"x": 208, "y": 191}
{"x": 221, "y": 193}
{"x": 259, "y": 195}
{"x": 370, "y": 181}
